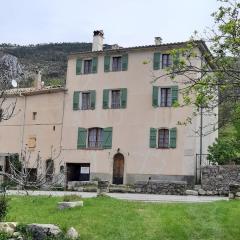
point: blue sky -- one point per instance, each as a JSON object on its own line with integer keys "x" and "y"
{"x": 126, "y": 22}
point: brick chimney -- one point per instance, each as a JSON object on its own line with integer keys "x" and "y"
{"x": 97, "y": 44}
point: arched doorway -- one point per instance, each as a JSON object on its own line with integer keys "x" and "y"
{"x": 118, "y": 168}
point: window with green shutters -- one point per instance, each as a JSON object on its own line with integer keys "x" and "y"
{"x": 163, "y": 138}
{"x": 116, "y": 63}
{"x": 164, "y": 96}
{"x": 115, "y": 98}
{"x": 94, "y": 138}
{"x": 86, "y": 66}
{"x": 85, "y": 100}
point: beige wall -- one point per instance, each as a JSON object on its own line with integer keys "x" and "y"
{"x": 131, "y": 126}
{"x": 15, "y": 132}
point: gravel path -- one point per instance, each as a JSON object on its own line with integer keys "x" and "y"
{"x": 127, "y": 196}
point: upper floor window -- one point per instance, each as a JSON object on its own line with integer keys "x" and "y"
{"x": 116, "y": 63}
{"x": 84, "y": 100}
{"x": 166, "y": 60}
{"x": 161, "y": 61}
{"x": 34, "y": 115}
{"x": 164, "y": 96}
{"x": 115, "y": 98}
{"x": 86, "y": 66}
{"x": 95, "y": 137}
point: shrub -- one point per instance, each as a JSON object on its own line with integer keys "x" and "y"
{"x": 3, "y": 207}
{"x": 72, "y": 198}
{"x": 223, "y": 151}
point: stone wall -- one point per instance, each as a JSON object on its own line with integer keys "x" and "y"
{"x": 161, "y": 187}
{"x": 218, "y": 178}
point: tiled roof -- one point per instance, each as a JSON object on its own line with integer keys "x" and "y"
{"x": 33, "y": 91}
{"x": 200, "y": 43}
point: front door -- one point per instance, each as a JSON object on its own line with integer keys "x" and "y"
{"x": 118, "y": 168}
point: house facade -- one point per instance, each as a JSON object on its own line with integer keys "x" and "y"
{"x": 114, "y": 120}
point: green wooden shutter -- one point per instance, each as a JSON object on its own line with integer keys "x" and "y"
{"x": 78, "y": 66}
{"x": 157, "y": 60}
{"x": 82, "y": 137}
{"x": 107, "y": 63}
{"x": 94, "y": 64}
{"x": 125, "y": 62}
{"x": 105, "y": 98}
{"x": 93, "y": 99}
{"x": 174, "y": 94}
{"x": 123, "y": 97}
{"x": 76, "y": 101}
{"x": 107, "y": 138}
{"x": 153, "y": 138}
{"x": 176, "y": 59}
{"x": 155, "y": 96}
{"x": 173, "y": 138}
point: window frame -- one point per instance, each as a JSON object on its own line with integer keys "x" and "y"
{"x": 89, "y": 67}
{"x": 119, "y": 65}
{"x": 160, "y": 104}
{"x": 111, "y": 99}
{"x": 98, "y": 144}
{"x": 168, "y": 62}
{"x": 81, "y": 100}
{"x": 166, "y": 145}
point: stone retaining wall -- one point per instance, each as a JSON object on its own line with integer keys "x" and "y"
{"x": 161, "y": 187}
{"x": 218, "y": 178}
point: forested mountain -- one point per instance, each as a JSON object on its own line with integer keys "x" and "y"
{"x": 50, "y": 58}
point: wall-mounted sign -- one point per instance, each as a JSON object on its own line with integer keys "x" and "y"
{"x": 84, "y": 170}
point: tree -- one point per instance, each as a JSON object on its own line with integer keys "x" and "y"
{"x": 216, "y": 81}
{"x": 10, "y": 70}
{"x": 34, "y": 173}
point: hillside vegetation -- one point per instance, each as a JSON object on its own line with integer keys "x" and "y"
{"x": 50, "y": 58}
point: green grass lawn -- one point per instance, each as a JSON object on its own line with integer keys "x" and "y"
{"x": 110, "y": 219}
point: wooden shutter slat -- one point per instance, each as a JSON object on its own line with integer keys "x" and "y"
{"x": 78, "y": 66}
{"x": 123, "y": 97}
{"x": 94, "y": 64}
{"x": 155, "y": 96}
{"x": 174, "y": 94}
{"x": 157, "y": 60}
{"x": 107, "y": 138}
{"x": 125, "y": 62}
{"x": 107, "y": 63}
{"x": 153, "y": 138}
{"x": 105, "y": 98}
{"x": 76, "y": 100}
{"x": 173, "y": 137}
{"x": 93, "y": 99}
{"x": 82, "y": 137}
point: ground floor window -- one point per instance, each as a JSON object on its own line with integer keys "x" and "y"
{"x": 78, "y": 172}
{"x": 95, "y": 137}
{"x": 163, "y": 138}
